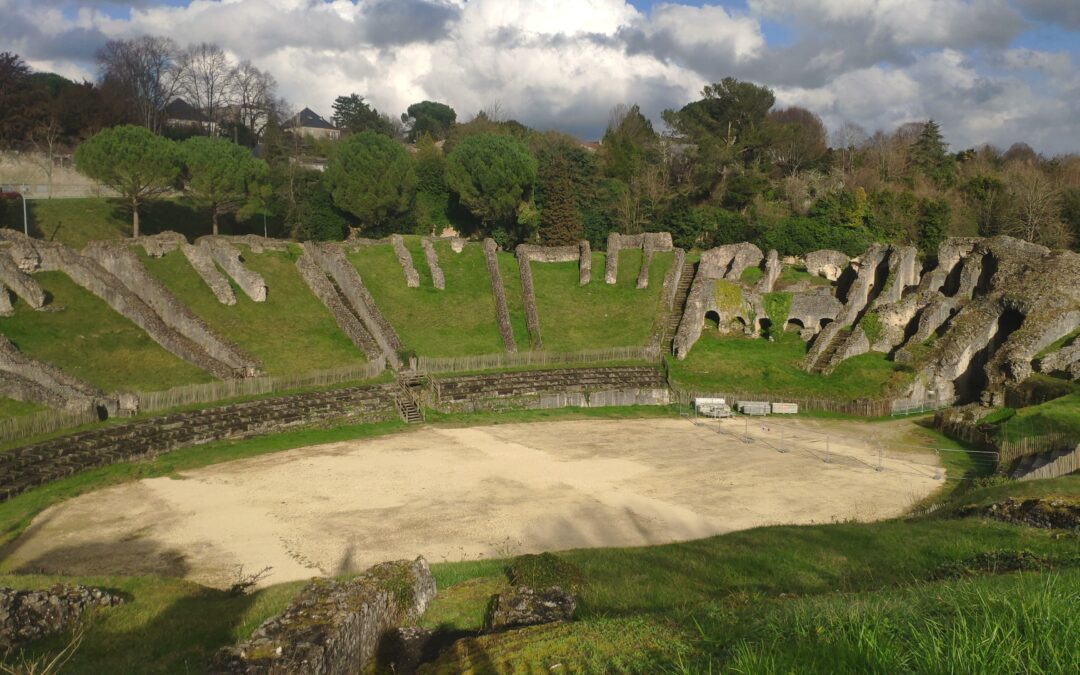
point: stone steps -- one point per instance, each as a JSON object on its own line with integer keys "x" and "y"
{"x": 34, "y": 465}
{"x": 682, "y": 292}
{"x": 502, "y": 385}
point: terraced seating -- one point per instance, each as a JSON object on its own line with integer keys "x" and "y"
{"x": 33, "y": 465}
{"x": 507, "y": 385}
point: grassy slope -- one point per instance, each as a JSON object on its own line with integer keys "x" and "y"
{"x": 511, "y": 278}
{"x": 597, "y": 315}
{"x": 1061, "y": 415}
{"x": 91, "y": 341}
{"x": 457, "y": 321}
{"x": 77, "y": 221}
{"x": 9, "y": 407}
{"x": 760, "y": 366}
{"x": 290, "y": 333}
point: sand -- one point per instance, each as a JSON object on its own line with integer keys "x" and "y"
{"x": 467, "y": 493}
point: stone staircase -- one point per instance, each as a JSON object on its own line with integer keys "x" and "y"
{"x": 33, "y": 465}
{"x": 1047, "y": 465}
{"x": 823, "y": 359}
{"x": 686, "y": 279}
{"x": 409, "y": 396}
{"x": 564, "y": 380}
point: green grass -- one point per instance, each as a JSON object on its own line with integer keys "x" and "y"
{"x": 78, "y": 221}
{"x": 598, "y": 315}
{"x": 9, "y": 407}
{"x": 790, "y": 276}
{"x": 291, "y": 333}
{"x": 457, "y": 321}
{"x": 92, "y": 342}
{"x": 1059, "y": 343}
{"x": 759, "y": 366}
{"x": 1061, "y": 415}
{"x": 515, "y": 304}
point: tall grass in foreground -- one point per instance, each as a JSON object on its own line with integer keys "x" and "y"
{"x": 1025, "y": 623}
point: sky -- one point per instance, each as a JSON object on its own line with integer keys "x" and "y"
{"x": 989, "y": 71}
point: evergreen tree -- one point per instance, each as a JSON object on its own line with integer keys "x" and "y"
{"x": 560, "y": 222}
{"x": 432, "y": 194}
{"x": 934, "y": 216}
{"x": 930, "y": 155}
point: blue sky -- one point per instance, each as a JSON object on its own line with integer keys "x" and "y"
{"x": 994, "y": 71}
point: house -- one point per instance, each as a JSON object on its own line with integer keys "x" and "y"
{"x": 308, "y": 123}
{"x": 180, "y": 114}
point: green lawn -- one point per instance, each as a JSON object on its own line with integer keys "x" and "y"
{"x": 9, "y": 407}
{"x": 598, "y": 315}
{"x": 90, "y": 341}
{"x": 1061, "y": 415}
{"x": 458, "y": 321}
{"x": 757, "y": 365}
{"x": 77, "y": 221}
{"x": 290, "y": 333}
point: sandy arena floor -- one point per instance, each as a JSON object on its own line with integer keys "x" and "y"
{"x": 454, "y": 494}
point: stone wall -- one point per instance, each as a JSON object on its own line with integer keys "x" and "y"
{"x": 30, "y": 615}
{"x": 203, "y": 264}
{"x": 646, "y": 241}
{"x": 729, "y": 261}
{"x": 528, "y": 293}
{"x": 643, "y": 272}
{"x": 22, "y": 284}
{"x": 228, "y": 257}
{"x": 826, "y": 263}
{"x": 585, "y": 263}
{"x": 89, "y": 274}
{"x": 502, "y": 311}
{"x": 334, "y": 627}
{"x": 438, "y": 279}
{"x": 412, "y": 277}
{"x": 30, "y": 466}
{"x": 158, "y": 245}
{"x": 323, "y": 289}
{"x": 121, "y": 261}
{"x": 773, "y": 268}
{"x": 6, "y": 308}
{"x": 1064, "y": 360}
{"x": 331, "y": 259}
{"x": 25, "y": 378}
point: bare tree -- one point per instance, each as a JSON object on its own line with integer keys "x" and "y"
{"x": 847, "y": 138}
{"x": 45, "y": 138}
{"x": 148, "y": 70}
{"x": 254, "y": 93}
{"x": 208, "y": 80}
{"x": 1035, "y": 200}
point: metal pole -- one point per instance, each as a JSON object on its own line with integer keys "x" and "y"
{"x": 26, "y": 227}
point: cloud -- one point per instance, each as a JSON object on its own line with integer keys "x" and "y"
{"x": 564, "y": 63}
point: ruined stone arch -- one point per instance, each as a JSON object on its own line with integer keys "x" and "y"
{"x": 794, "y": 324}
{"x": 712, "y": 319}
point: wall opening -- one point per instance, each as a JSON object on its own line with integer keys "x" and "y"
{"x": 712, "y": 320}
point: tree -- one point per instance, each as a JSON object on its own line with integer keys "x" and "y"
{"x": 432, "y": 194}
{"x": 848, "y": 138}
{"x": 17, "y": 116}
{"x": 255, "y": 95}
{"x": 725, "y": 127}
{"x": 987, "y": 197}
{"x": 930, "y": 155}
{"x": 629, "y": 142}
{"x": 492, "y": 175}
{"x": 132, "y": 161}
{"x": 799, "y": 141}
{"x": 147, "y": 72}
{"x": 934, "y": 218}
{"x": 354, "y": 114}
{"x": 208, "y": 80}
{"x": 429, "y": 117}
{"x": 560, "y": 221}
{"x": 1035, "y": 206}
{"x": 221, "y": 175}
{"x": 372, "y": 177}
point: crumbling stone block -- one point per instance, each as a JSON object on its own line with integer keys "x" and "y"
{"x": 26, "y": 616}
{"x": 203, "y": 264}
{"x": 502, "y": 311}
{"x": 334, "y": 627}
{"x": 157, "y": 245}
{"x": 826, "y": 263}
{"x": 438, "y": 279}
{"x": 412, "y": 277}
{"x": 228, "y": 257}
{"x": 524, "y": 606}
{"x": 22, "y": 284}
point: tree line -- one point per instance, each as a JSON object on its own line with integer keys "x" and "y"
{"x": 730, "y": 166}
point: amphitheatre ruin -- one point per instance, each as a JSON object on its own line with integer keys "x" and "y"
{"x": 541, "y": 399}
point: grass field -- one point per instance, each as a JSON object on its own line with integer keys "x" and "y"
{"x": 90, "y": 341}
{"x": 9, "y": 407}
{"x": 759, "y": 366}
{"x": 290, "y": 333}
{"x": 77, "y": 221}
{"x": 457, "y": 321}
{"x": 1061, "y": 415}
{"x": 573, "y": 317}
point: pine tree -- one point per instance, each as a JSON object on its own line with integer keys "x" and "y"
{"x": 560, "y": 222}
{"x": 930, "y": 155}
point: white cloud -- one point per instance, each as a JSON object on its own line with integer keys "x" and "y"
{"x": 564, "y": 63}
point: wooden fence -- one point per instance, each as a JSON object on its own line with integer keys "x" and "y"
{"x": 193, "y": 394}
{"x": 1010, "y": 451}
{"x": 462, "y": 364}
{"x": 44, "y": 422}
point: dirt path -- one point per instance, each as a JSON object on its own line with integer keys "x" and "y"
{"x": 463, "y": 493}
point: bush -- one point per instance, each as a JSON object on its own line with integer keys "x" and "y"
{"x": 799, "y": 236}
